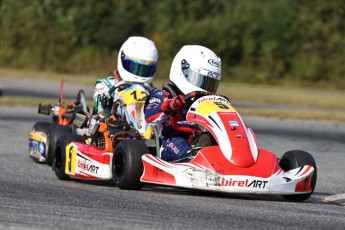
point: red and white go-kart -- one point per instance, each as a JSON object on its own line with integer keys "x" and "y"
{"x": 231, "y": 162}
{"x": 234, "y": 164}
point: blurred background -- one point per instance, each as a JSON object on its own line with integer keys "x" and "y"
{"x": 285, "y": 42}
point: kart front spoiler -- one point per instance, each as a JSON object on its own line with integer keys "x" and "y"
{"x": 37, "y": 146}
{"x": 197, "y": 176}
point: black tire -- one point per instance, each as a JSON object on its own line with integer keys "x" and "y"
{"x": 294, "y": 159}
{"x": 206, "y": 139}
{"x": 59, "y": 160}
{"x": 55, "y": 132}
{"x": 127, "y": 166}
{"x": 41, "y": 126}
{"x": 81, "y": 99}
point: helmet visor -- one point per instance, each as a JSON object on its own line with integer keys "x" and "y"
{"x": 138, "y": 66}
{"x": 202, "y": 78}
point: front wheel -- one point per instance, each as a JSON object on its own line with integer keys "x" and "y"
{"x": 59, "y": 161}
{"x": 295, "y": 159}
{"x": 127, "y": 166}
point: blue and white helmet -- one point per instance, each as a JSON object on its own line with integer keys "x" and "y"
{"x": 196, "y": 68}
{"x": 137, "y": 60}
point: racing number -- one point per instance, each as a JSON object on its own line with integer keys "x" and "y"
{"x": 134, "y": 93}
{"x": 221, "y": 105}
{"x": 69, "y": 160}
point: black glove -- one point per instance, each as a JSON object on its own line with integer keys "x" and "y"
{"x": 105, "y": 99}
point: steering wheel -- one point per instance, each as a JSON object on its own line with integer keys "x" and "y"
{"x": 127, "y": 83}
{"x": 189, "y": 98}
{"x": 196, "y": 94}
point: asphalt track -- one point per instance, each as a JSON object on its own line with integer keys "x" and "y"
{"x": 33, "y": 198}
{"x": 41, "y": 88}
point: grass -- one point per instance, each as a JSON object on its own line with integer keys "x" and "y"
{"x": 302, "y": 103}
{"x": 307, "y": 97}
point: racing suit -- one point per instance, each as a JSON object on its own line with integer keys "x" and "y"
{"x": 101, "y": 98}
{"x": 174, "y": 144}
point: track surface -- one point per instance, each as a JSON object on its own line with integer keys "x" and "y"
{"x": 41, "y": 88}
{"x": 31, "y": 197}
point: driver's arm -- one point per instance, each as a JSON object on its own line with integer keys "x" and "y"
{"x": 152, "y": 109}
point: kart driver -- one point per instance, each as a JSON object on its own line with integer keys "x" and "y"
{"x": 137, "y": 61}
{"x": 194, "y": 68}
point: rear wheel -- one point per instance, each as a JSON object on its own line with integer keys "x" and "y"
{"x": 294, "y": 159}
{"x": 41, "y": 126}
{"x": 127, "y": 166}
{"x": 81, "y": 99}
{"x": 55, "y": 132}
{"x": 59, "y": 161}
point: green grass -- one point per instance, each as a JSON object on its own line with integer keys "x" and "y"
{"x": 307, "y": 97}
{"x": 305, "y": 103}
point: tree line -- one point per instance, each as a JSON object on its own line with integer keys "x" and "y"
{"x": 265, "y": 41}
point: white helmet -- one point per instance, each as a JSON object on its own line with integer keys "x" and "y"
{"x": 196, "y": 68}
{"x": 137, "y": 60}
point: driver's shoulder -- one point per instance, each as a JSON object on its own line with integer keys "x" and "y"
{"x": 109, "y": 80}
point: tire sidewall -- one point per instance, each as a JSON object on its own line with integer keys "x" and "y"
{"x": 55, "y": 132}
{"x": 59, "y": 159}
{"x": 130, "y": 151}
{"x": 295, "y": 159}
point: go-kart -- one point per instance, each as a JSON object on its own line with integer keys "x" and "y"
{"x": 44, "y": 135}
{"x": 232, "y": 163}
{"x": 94, "y": 155}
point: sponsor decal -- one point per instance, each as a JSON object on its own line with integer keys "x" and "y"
{"x": 173, "y": 148}
{"x": 214, "y": 98}
{"x": 207, "y": 99}
{"x": 154, "y": 100}
{"x": 36, "y": 148}
{"x": 223, "y": 99}
{"x": 88, "y": 167}
{"x": 42, "y": 148}
{"x": 213, "y": 75}
{"x": 244, "y": 183}
{"x": 213, "y": 62}
{"x": 233, "y": 123}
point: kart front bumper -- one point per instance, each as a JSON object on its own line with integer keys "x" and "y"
{"x": 189, "y": 175}
{"x": 37, "y": 146}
